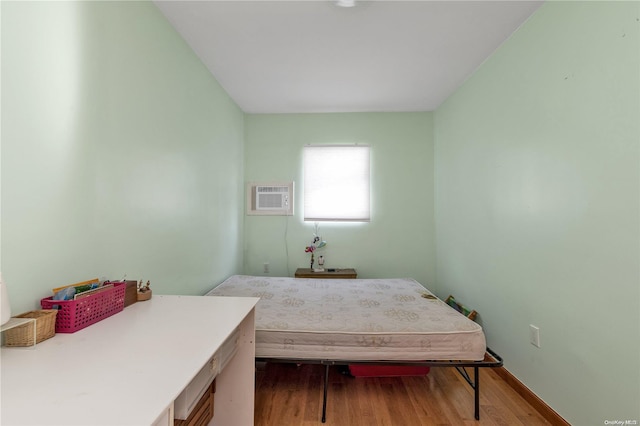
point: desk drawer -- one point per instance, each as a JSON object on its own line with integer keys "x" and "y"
{"x": 202, "y": 413}
{"x": 186, "y": 402}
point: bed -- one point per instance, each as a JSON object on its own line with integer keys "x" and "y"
{"x": 360, "y": 321}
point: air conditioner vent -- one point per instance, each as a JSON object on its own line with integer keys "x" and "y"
{"x": 272, "y": 189}
{"x": 272, "y": 198}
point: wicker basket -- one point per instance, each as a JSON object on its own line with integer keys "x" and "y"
{"x": 22, "y": 335}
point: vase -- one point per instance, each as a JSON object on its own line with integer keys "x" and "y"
{"x": 312, "y": 260}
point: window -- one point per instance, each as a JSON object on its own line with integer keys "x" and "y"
{"x": 336, "y": 183}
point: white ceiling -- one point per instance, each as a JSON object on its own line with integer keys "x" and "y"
{"x": 313, "y": 56}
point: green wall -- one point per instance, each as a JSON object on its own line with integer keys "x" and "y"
{"x": 399, "y": 240}
{"x": 537, "y": 205}
{"x": 120, "y": 153}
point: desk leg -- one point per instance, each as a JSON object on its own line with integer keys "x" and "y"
{"x": 235, "y": 386}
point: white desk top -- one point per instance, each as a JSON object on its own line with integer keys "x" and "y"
{"x": 126, "y": 369}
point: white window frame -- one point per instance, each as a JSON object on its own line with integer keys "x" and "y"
{"x": 337, "y": 183}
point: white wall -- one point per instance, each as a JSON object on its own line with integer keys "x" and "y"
{"x": 120, "y": 153}
{"x": 538, "y": 205}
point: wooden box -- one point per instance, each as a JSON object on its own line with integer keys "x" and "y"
{"x": 130, "y": 293}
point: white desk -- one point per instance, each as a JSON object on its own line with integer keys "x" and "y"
{"x": 129, "y": 368}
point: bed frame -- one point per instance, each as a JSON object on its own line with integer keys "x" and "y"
{"x": 491, "y": 360}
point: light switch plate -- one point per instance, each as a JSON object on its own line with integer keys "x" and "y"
{"x": 534, "y": 335}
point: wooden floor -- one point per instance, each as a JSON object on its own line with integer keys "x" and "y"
{"x": 288, "y": 394}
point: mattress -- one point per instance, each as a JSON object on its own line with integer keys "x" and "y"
{"x": 354, "y": 320}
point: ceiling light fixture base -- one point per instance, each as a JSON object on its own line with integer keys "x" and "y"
{"x": 346, "y": 3}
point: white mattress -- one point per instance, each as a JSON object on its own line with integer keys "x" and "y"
{"x": 361, "y": 319}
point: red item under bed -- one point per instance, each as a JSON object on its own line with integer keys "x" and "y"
{"x": 387, "y": 370}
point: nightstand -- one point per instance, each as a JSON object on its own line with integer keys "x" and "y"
{"x": 333, "y": 273}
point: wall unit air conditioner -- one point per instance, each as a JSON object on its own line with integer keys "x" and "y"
{"x": 270, "y": 199}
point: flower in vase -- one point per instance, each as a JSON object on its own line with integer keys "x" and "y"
{"x": 315, "y": 244}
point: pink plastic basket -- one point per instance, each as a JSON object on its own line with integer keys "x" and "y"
{"x": 74, "y": 315}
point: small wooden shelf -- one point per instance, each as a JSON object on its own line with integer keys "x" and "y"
{"x": 348, "y": 273}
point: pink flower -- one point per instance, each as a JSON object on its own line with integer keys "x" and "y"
{"x": 310, "y": 249}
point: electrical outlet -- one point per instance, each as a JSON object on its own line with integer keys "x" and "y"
{"x": 265, "y": 267}
{"x": 534, "y": 335}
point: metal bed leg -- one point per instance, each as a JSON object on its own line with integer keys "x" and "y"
{"x": 324, "y": 398}
{"x": 476, "y": 388}
{"x": 475, "y": 384}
